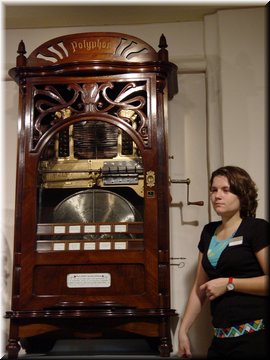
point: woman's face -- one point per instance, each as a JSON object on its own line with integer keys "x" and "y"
{"x": 224, "y": 202}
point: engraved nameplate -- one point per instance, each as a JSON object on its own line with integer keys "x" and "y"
{"x": 89, "y": 280}
{"x": 90, "y": 45}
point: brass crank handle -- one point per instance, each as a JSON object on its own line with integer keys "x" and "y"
{"x": 186, "y": 181}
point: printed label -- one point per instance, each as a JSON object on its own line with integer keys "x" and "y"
{"x": 89, "y": 280}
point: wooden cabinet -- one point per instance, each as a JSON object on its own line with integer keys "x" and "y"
{"x": 91, "y": 249}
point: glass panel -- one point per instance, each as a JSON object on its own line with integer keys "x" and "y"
{"x": 90, "y": 193}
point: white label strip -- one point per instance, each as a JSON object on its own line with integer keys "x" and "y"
{"x": 89, "y": 246}
{"x": 89, "y": 280}
{"x": 120, "y": 245}
{"x": 120, "y": 228}
{"x": 74, "y": 246}
{"x": 105, "y": 228}
{"x": 59, "y": 246}
{"x": 104, "y": 246}
{"x": 74, "y": 229}
{"x": 59, "y": 229}
{"x": 89, "y": 228}
{"x": 45, "y": 246}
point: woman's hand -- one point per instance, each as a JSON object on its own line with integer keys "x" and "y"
{"x": 214, "y": 288}
{"x": 183, "y": 346}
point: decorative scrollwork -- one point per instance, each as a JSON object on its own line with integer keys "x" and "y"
{"x": 54, "y": 53}
{"x": 129, "y": 48}
{"x": 126, "y": 101}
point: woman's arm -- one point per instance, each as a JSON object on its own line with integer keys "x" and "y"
{"x": 193, "y": 308}
{"x": 255, "y": 286}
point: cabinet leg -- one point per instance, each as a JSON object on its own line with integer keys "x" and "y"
{"x": 13, "y": 349}
{"x": 165, "y": 347}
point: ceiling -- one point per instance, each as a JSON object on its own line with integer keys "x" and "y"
{"x": 44, "y": 16}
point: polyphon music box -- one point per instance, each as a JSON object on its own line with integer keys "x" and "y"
{"x": 91, "y": 249}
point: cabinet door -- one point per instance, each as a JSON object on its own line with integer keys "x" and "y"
{"x": 94, "y": 184}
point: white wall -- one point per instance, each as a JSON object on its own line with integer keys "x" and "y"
{"x": 185, "y": 40}
{"x": 188, "y": 146}
{"x": 235, "y": 50}
{"x": 227, "y": 52}
{"x": 243, "y": 89}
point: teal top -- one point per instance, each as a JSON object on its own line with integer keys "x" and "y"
{"x": 216, "y": 247}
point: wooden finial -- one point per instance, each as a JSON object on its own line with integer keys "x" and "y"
{"x": 21, "y": 59}
{"x": 163, "y": 42}
{"x": 163, "y": 53}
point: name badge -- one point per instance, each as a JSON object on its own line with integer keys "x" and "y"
{"x": 236, "y": 241}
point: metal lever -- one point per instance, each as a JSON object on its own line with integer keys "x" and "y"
{"x": 186, "y": 181}
{"x": 181, "y": 264}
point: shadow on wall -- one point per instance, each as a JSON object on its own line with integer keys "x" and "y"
{"x": 182, "y": 220}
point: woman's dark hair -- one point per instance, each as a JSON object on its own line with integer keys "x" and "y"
{"x": 241, "y": 185}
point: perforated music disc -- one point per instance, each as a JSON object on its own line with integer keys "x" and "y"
{"x": 95, "y": 206}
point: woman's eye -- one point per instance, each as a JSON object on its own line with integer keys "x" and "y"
{"x": 224, "y": 190}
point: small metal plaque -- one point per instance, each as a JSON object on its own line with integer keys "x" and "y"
{"x": 89, "y": 280}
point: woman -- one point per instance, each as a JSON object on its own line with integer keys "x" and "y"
{"x": 232, "y": 271}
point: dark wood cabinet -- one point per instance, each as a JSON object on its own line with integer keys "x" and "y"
{"x": 91, "y": 249}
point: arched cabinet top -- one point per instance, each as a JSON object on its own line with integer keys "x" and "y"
{"x": 95, "y": 53}
{"x": 95, "y": 46}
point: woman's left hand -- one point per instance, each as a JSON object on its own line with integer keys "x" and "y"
{"x": 214, "y": 288}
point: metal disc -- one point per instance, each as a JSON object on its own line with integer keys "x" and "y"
{"x": 95, "y": 206}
